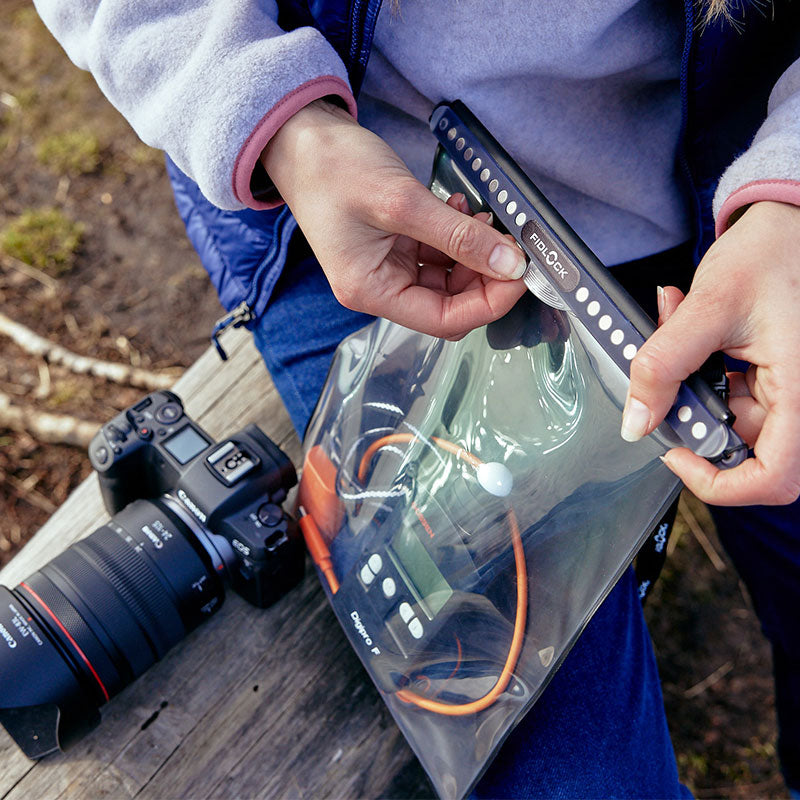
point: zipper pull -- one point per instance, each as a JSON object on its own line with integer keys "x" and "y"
{"x": 240, "y": 315}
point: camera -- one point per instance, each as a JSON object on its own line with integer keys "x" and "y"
{"x": 189, "y": 515}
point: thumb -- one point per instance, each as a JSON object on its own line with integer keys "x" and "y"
{"x": 423, "y": 217}
{"x": 683, "y": 342}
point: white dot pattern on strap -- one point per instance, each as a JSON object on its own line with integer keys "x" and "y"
{"x": 468, "y": 153}
{"x": 452, "y": 133}
{"x": 630, "y": 351}
{"x": 520, "y": 219}
{"x": 593, "y": 309}
{"x": 617, "y": 336}
{"x": 502, "y": 196}
{"x": 460, "y": 143}
{"x": 443, "y": 123}
{"x": 699, "y": 430}
{"x": 604, "y": 323}
{"x": 511, "y": 207}
{"x": 485, "y": 175}
{"x": 493, "y": 184}
{"x": 684, "y": 413}
{"x": 582, "y": 294}
{"x": 476, "y": 164}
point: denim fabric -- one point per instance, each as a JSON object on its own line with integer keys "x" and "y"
{"x": 599, "y": 729}
{"x": 298, "y": 335}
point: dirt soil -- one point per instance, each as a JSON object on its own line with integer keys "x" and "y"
{"x": 132, "y": 290}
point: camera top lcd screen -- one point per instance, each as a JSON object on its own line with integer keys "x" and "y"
{"x": 185, "y": 444}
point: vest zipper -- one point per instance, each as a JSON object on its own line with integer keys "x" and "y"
{"x": 248, "y": 309}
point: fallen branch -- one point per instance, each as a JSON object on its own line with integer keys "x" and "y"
{"x": 52, "y": 428}
{"x": 54, "y": 353}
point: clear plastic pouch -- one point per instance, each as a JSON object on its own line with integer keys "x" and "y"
{"x": 469, "y": 505}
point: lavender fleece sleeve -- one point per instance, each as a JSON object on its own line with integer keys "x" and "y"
{"x": 208, "y": 81}
{"x": 770, "y": 168}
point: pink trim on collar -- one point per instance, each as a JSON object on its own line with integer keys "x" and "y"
{"x": 268, "y": 124}
{"x": 782, "y": 191}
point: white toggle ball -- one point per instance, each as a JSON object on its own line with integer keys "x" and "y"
{"x": 496, "y": 478}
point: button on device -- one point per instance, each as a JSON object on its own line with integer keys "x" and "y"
{"x": 415, "y": 628}
{"x": 367, "y": 575}
{"x": 406, "y": 612}
{"x": 115, "y": 434}
{"x": 389, "y": 587}
{"x": 168, "y": 413}
{"x": 269, "y": 514}
{"x": 375, "y": 562}
{"x": 101, "y": 454}
{"x": 145, "y": 433}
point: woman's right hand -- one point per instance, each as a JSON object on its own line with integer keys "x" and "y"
{"x": 387, "y": 245}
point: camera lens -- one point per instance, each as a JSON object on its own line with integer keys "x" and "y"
{"x": 85, "y": 625}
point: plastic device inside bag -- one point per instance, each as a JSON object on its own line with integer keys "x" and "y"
{"x": 470, "y": 505}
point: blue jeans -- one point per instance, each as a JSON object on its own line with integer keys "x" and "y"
{"x": 599, "y": 729}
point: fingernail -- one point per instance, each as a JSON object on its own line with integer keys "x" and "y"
{"x": 660, "y": 299}
{"x": 461, "y": 202}
{"x": 507, "y": 261}
{"x": 635, "y": 419}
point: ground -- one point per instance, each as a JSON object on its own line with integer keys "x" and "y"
{"x": 89, "y": 206}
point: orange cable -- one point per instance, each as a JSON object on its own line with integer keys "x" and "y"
{"x": 463, "y": 709}
{"x": 321, "y": 552}
{"x": 397, "y": 438}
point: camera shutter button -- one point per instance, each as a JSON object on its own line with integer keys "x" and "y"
{"x": 101, "y": 454}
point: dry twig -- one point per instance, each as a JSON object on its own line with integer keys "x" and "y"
{"x": 31, "y": 342}
{"x": 30, "y": 272}
{"x": 697, "y": 529}
{"x": 54, "y": 428}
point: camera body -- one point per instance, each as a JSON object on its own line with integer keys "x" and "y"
{"x": 189, "y": 515}
{"x": 232, "y": 490}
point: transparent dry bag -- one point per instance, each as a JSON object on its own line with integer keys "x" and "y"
{"x": 469, "y": 505}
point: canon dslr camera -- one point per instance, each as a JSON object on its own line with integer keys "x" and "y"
{"x": 189, "y": 514}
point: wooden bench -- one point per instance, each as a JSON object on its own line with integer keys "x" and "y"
{"x": 254, "y": 703}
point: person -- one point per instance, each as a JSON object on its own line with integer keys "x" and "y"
{"x": 631, "y": 115}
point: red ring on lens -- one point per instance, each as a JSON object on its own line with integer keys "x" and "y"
{"x": 68, "y": 635}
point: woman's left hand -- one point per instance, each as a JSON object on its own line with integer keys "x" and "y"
{"x": 745, "y": 301}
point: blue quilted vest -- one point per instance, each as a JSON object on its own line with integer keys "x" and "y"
{"x": 727, "y": 73}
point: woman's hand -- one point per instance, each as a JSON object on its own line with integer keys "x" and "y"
{"x": 745, "y": 301}
{"x": 387, "y": 245}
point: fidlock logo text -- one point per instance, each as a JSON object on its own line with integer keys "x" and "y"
{"x": 550, "y": 256}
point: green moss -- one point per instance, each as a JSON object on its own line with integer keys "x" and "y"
{"x": 44, "y": 238}
{"x": 74, "y": 152}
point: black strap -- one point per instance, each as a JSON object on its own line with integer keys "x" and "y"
{"x": 650, "y": 560}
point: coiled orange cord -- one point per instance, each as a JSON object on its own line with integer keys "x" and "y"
{"x": 321, "y": 556}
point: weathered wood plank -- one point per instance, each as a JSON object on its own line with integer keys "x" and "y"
{"x": 255, "y": 703}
